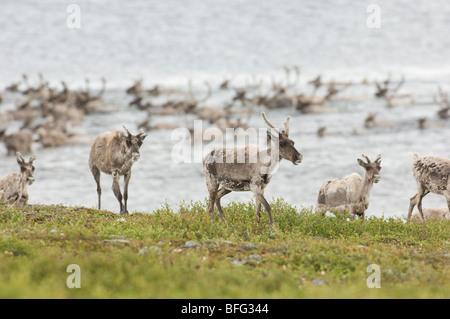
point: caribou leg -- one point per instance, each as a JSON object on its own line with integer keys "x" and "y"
{"x": 258, "y": 209}
{"x": 419, "y": 205}
{"x": 127, "y": 177}
{"x": 213, "y": 186}
{"x": 259, "y": 194}
{"x": 96, "y": 173}
{"x": 116, "y": 190}
{"x": 222, "y": 192}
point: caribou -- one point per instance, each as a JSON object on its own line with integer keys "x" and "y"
{"x": 248, "y": 168}
{"x": 351, "y": 193}
{"x": 114, "y": 153}
{"x": 13, "y": 187}
{"x": 432, "y": 175}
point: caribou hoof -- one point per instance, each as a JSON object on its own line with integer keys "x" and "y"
{"x": 124, "y": 212}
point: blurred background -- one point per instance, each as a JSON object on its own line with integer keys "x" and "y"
{"x": 349, "y": 88}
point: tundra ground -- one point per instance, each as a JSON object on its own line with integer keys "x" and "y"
{"x": 178, "y": 252}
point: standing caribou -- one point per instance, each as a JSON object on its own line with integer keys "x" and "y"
{"x": 114, "y": 153}
{"x": 247, "y": 168}
{"x": 432, "y": 174}
{"x": 351, "y": 193}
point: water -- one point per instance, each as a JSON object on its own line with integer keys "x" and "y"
{"x": 169, "y": 42}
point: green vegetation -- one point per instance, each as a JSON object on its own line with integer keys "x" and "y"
{"x": 180, "y": 253}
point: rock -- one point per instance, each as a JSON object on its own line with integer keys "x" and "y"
{"x": 191, "y": 244}
{"x": 119, "y": 240}
{"x": 237, "y": 262}
{"x": 318, "y": 282}
{"x": 143, "y": 251}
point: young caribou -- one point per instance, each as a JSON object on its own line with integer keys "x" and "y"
{"x": 247, "y": 168}
{"x": 114, "y": 153}
{"x": 13, "y": 188}
{"x": 432, "y": 174}
{"x": 350, "y": 193}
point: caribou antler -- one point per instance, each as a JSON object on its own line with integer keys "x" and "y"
{"x": 142, "y": 133}
{"x": 268, "y": 123}
{"x": 286, "y": 125}
{"x": 368, "y": 160}
{"x": 378, "y": 159}
{"x": 126, "y": 130}
{"x": 32, "y": 158}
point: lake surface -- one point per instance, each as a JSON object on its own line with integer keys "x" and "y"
{"x": 170, "y": 42}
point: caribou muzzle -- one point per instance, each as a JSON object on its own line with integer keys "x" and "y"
{"x": 135, "y": 156}
{"x": 298, "y": 159}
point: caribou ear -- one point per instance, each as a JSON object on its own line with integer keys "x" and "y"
{"x": 142, "y": 135}
{"x": 361, "y": 163}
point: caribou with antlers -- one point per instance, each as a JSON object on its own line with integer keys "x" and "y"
{"x": 351, "y": 193}
{"x": 247, "y": 168}
{"x": 114, "y": 153}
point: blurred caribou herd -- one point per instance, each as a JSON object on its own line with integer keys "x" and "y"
{"x": 50, "y": 115}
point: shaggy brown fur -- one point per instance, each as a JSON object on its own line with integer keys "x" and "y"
{"x": 246, "y": 169}
{"x": 13, "y": 188}
{"x": 114, "y": 153}
{"x": 432, "y": 175}
{"x": 351, "y": 193}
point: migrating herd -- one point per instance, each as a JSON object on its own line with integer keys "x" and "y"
{"x": 49, "y": 114}
{"x": 114, "y": 153}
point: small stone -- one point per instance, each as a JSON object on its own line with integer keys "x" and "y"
{"x": 318, "y": 282}
{"x": 191, "y": 244}
{"x": 53, "y": 231}
{"x": 121, "y": 241}
{"x": 143, "y": 251}
{"x": 237, "y": 262}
